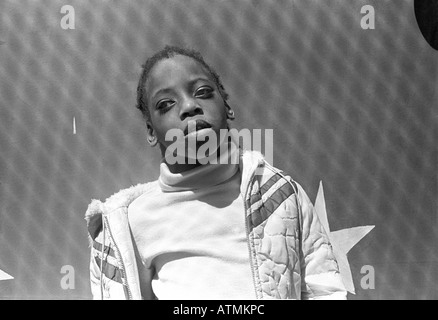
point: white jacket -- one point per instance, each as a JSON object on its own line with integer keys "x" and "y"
{"x": 290, "y": 253}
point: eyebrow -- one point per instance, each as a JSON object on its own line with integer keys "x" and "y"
{"x": 191, "y": 83}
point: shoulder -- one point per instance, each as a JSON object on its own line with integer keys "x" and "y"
{"x": 272, "y": 173}
{"x": 119, "y": 199}
{"x": 122, "y": 198}
{"x": 125, "y": 197}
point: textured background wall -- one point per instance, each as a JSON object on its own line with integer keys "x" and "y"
{"x": 354, "y": 108}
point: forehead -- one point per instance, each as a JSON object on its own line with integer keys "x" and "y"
{"x": 168, "y": 72}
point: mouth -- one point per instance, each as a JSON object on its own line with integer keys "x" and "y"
{"x": 197, "y": 126}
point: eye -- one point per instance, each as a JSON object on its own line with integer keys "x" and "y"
{"x": 204, "y": 92}
{"x": 164, "y": 105}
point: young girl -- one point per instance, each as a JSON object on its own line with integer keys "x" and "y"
{"x": 237, "y": 228}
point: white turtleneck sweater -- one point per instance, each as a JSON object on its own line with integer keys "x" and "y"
{"x": 191, "y": 232}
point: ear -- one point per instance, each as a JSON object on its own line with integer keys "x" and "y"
{"x": 230, "y": 112}
{"x": 150, "y": 134}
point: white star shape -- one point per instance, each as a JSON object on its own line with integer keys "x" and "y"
{"x": 5, "y": 276}
{"x": 341, "y": 240}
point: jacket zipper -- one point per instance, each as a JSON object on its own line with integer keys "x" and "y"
{"x": 119, "y": 260}
{"x": 248, "y": 238}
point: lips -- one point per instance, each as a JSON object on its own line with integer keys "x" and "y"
{"x": 200, "y": 124}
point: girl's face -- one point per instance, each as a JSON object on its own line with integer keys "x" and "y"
{"x": 179, "y": 90}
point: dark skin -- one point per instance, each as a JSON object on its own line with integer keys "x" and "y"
{"x": 179, "y": 90}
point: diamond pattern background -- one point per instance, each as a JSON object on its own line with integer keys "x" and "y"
{"x": 354, "y": 108}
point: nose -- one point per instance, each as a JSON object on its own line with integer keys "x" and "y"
{"x": 190, "y": 108}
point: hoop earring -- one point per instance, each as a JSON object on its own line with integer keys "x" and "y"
{"x": 151, "y": 141}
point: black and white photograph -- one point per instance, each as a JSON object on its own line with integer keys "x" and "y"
{"x": 220, "y": 150}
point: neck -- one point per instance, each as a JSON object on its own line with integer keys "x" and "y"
{"x": 179, "y": 177}
{"x": 181, "y": 167}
